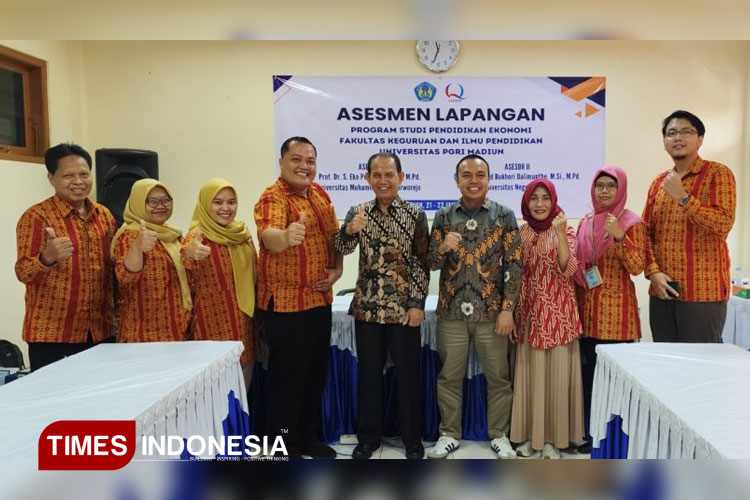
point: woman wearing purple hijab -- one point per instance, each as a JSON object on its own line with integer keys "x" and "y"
{"x": 611, "y": 248}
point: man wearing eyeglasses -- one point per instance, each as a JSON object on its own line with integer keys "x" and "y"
{"x": 63, "y": 259}
{"x": 689, "y": 212}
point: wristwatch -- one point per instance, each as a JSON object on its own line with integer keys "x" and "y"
{"x": 684, "y": 200}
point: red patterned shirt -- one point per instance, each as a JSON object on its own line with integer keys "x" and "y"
{"x": 610, "y": 311}
{"x": 289, "y": 276}
{"x": 216, "y": 312}
{"x": 69, "y": 299}
{"x": 151, "y": 309}
{"x": 547, "y": 313}
{"x": 689, "y": 243}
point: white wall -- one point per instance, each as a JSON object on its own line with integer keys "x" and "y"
{"x": 206, "y": 107}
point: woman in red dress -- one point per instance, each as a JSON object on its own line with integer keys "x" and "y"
{"x": 547, "y": 398}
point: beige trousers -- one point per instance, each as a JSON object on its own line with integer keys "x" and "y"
{"x": 453, "y": 338}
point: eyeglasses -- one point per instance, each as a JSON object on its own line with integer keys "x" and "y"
{"x": 610, "y": 186}
{"x": 166, "y": 202}
{"x": 685, "y": 132}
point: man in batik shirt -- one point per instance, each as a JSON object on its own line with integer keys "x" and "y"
{"x": 63, "y": 259}
{"x": 476, "y": 245}
{"x": 689, "y": 212}
{"x": 388, "y": 303}
{"x": 296, "y": 270}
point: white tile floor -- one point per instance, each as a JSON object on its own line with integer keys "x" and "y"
{"x": 393, "y": 449}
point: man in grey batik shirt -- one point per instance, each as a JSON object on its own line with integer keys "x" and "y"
{"x": 476, "y": 245}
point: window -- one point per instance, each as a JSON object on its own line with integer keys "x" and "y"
{"x": 24, "y": 123}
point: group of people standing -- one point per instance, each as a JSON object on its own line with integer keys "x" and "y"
{"x": 535, "y": 300}
{"x": 88, "y": 281}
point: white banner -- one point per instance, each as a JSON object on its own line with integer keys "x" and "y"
{"x": 525, "y": 128}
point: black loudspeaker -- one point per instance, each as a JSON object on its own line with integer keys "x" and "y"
{"x": 117, "y": 170}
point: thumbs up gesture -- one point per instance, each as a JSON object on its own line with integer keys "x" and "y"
{"x": 146, "y": 239}
{"x": 295, "y": 232}
{"x": 357, "y": 223}
{"x": 196, "y": 249}
{"x": 57, "y": 249}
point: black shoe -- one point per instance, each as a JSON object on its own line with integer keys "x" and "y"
{"x": 585, "y": 448}
{"x": 363, "y": 451}
{"x": 415, "y": 453}
{"x": 318, "y": 450}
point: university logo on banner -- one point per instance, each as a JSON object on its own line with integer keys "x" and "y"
{"x": 425, "y": 92}
{"x": 454, "y": 92}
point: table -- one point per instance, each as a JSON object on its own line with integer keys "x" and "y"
{"x": 663, "y": 400}
{"x": 340, "y": 393}
{"x": 737, "y": 326}
{"x": 168, "y": 388}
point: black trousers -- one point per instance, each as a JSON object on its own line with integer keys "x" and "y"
{"x": 374, "y": 343}
{"x": 45, "y": 353}
{"x": 298, "y": 347}
{"x": 588, "y": 366}
{"x": 678, "y": 321}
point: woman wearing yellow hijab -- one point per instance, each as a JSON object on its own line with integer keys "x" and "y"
{"x": 220, "y": 255}
{"x": 153, "y": 283}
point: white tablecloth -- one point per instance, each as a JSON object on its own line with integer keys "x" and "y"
{"x": 170, "y": 388}
{"x": 737, "y": 326}
{"x": 675, "y": 400}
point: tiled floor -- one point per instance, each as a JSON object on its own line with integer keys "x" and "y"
{"x": 393, "y": 449}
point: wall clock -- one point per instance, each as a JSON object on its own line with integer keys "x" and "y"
{"x": 437, "y": 55}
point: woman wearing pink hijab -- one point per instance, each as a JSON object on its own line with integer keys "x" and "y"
{"x": 547, "y": 394}
{"x": 611, "y": 248}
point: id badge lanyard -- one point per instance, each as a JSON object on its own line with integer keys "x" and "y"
{"x": 592, "y": 276}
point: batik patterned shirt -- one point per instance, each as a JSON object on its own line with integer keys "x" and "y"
{"x": 689, "y": 243}
{"x": 152, "y": 309}
{"x": 289, "y": 276}
{"x": 393, "y": 274}
{"x": 216, "y": 312}
{"x": 483, "y": 277}
{"x": 610, "y": 311}
{"x": 69, "y": 299}
{"x": 547, "y": 312}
